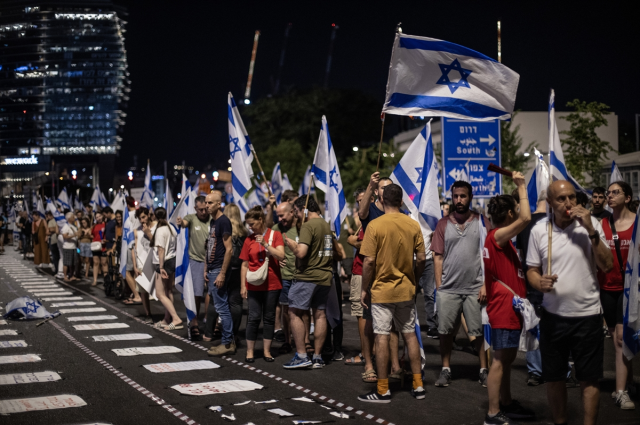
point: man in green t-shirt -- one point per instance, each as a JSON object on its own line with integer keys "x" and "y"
{"x": 311, "y": 281}
{"x": 198, "y": 225}
{"x": 348, "y": 228}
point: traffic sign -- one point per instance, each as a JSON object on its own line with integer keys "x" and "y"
{"x": 468, "y": 147}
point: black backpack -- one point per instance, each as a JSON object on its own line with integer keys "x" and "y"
{"x": 237, "y": 243}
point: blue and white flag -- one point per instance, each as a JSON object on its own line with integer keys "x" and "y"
{"x": 306, "y": 182}
{"x": 276, "y": 183}
{"x": 423, "y": 357}
{"x": 485, "y": 317}
{"x": 103, "y": 200}
{"x": 539, "y": 180}
{"x": 436, "y": 78}
{"x": 240, "y": 150}
{"x": 57, "y": 215}
{"x": 119, "y": 202}
{"x": 557, "y": 167}
{"x": 631, "y": 298}
{"x": 168, "y": 199}
{"x": 616, "y": 175}
{"x": 63, "y": 200}
{"x": 25, "y": 308}
{"x": 127, "y": 240}
{"x": 40, "y": 207}
{"x": 253, "y": 200}
{"x": 286, "y": 184}
{"x": 261, "y": 192}
{"x": 77, "y": 204}
{"x": 146, "y": 200}
{"x": 98, "y": 199}
{"x": 417, "y": 175}
{"x": 327, "y": 177}
{"x": 486, "y": 329}
{"x": 184, "y": 279}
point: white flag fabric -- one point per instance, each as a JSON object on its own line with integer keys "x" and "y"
{"x": 58, "y": 216}
{"x": 240, "y": 151}
{"x": 436, "y": 78}
{"x": 417, "y": 174}
{"x": 327, "y": 177}
{"x": 98, "y": 199}
{"x": 119, "y": 202}
{"x": 40, "y": 207}
{"x": 127, "y": 239}
{"x": 631, "y": 298}
{"x": 261, "y": 192}
{"x": 253, "y": 200}
{"x": 63, "y": 199}
{"x": 557, "y": 167}
{"x": 539, "y": 180}
{"x": 286, "y": 184}
{"x": 616, "y": 175}
{"x": 185, "y": 192}
{"x": 168, "y": 199}
{"x": 276, "y": 183}
{"x": 146, "y": 200}
{"x": 485, "y": 317}
{"x": 184, "y": 280}
{"x": 306, "y": 182}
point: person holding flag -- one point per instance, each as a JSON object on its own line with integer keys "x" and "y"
{"x": 146, "y": 200}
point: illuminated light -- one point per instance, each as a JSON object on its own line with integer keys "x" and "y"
{"x": 210, "y": 186}
{"x": 130, "y": 174}
{"x": 88, "y": 185}
{"x": 355, "y": 149}
{"x": 229, "y": 169}
{"x": 46, "y": 174}
{"x": 247, "y": 102}
{"x": 202, "y": 176}
{"x": 110, "y": 189}
{"x": 74, "y": 172}
{"x": 121, "y": 186}
{"x": 32, "y": 160}
{"x": 60, "y": 178}
{"x": 179, "y": 195}
{"x": 333, "y": 25}
{"x": 136, "y": 203}
{"x": 215, "y": 174}
{"x": 526, "y": 154}
{"x": 229, "y": 161}
{"x": 91, "y": 108}
{"x": 24, "y": 112}
{"x": 155, "y": 199}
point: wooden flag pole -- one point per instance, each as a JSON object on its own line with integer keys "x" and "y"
{"x": 550, "y": 236}
{"x": 380, "y": 145}
{"x": 306, "y": 203}
{"x": 255, "y": 155}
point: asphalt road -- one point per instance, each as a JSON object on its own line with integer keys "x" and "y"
{"x": 118, "y": 390}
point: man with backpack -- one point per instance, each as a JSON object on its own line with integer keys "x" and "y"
{"x": 198, "y": 225}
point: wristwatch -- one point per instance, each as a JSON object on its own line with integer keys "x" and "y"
{"x": 594, "y": 236}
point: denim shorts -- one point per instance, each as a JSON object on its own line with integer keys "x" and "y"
{"x": 85, "y": 250}
{"x": 284, "y": 294}
{"x": 303, "y": 295}
{"x": 505, "y": 338}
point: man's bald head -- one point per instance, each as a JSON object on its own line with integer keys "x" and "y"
{"x": 561, "y": 197}
{"x": 559, "y": 185}
{"x": 285, "y": 214}
{"x": 284, "y": 207}
{"x": 213, "y": 201}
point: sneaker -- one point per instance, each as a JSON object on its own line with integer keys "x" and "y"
{"x": 318, "y": 363}
{"x": 375, "y": 397}
{"x": 499, "y": 419}
{"x": 279, "y": 336}
{"x": 624, "y": 402}
{"x": 606, "y": 332}
{"x": 298, "y": 363}
{"x": 433, "y": 333}
{"x": 419, "y": 393}
{"x": 338, "y": 356}
{"x": 222, "y": 349}
{"x": 534, "y": 380}
{"x": 445, "y": 378}
{"x": 482, "y": 379}
{"x": 147, "y": 320}
{"x": 516, "y": 411}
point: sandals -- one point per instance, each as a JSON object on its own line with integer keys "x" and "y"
{"x": 370, "y": 376}
{"x": 352, "y": 361}
{"x": 172, "y": 327}
{"x": 398, "y": 374}
{"x": 131, "y": 301}
{"x": 160, "y": 325}
{"x": 195, "y": 333}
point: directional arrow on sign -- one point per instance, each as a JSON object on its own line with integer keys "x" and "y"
{"x": 489, "y": 140}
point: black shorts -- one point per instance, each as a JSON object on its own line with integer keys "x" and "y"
{"x": 612, "y": 307}
{"x": 169, "y": 266}
{"x": 582, "y": 337}
{"x": 98, "y": 254}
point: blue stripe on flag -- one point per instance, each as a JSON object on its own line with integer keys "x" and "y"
{"x": 532, "y": 191}
{"x": 230, "y": 113}
{"x": 446, "y": 104}
{"x": 407, "y": 185}
{"x": 320, "y": 174}
{"x": 237, "y": 185}
{"x": 442, "y": 46}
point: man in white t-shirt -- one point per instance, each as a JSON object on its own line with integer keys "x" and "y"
{"x": 571, "y": 320}
{"x": 69, "y": 234}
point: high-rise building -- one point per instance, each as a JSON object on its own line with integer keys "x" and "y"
{"x": 63, "y": 87}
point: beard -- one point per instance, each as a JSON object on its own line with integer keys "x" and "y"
{"x": 462, "y": 208}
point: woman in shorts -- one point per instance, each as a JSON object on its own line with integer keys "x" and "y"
{"x": 163, "y": 243}
{"x": 98, "y": 248}
{"x": 85, "y": 245}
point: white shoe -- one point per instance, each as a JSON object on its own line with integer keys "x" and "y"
{"x": 624, "y": 402}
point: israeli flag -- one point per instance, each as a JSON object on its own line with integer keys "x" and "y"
{"x": 306, "y": 182}
{"x": 40, "y": 207}
{"x": 557, "y": 167}
{"x": 184, "y": 280}
{"x": 276, "y": 183}
{"x": 327, "y": 177}
{"x": 63, "y": 200}
{"x": 423, "y": 357}
{"x": 486, "y": 327}
{"x": 436, "y": 78}
{"x": 127, "y": 240}
{"x": 631, "y": 298}
{"x": 98, "y": 199}
{"x": 119, "y": 202}
{"x": 539, "y": 180}
{"x": 240, "y": 150}
{"x": 417, "y": 174}
{"x": 616, "y": 175}
{"x": 103, "y": 201}
{"x": 147, "y": 195}
{"x": 78, "y": 205}
{"x": 168, "y": 199}
{"x": 261, "y": 192}
{"x": 242, "y": 204}
{"x": 286, "y": 184}
{"x": 253, "y": 200}
{"x": 57, "y": 215}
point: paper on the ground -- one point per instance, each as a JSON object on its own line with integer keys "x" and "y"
{"x": 339, "y": 415}
{"x": 230, "y": 417}
{"x": 306, "y": 422}
{"x": 96, "y": 326}
{"x": 8, "y": 332}
{"x": 62, "y": 299}
{"x": 85, "y": 318}
{"x": 280, "y": 412}
{"x": 266, "y": 401}
{"x": 82, "y": 310}
{"x": 216, "y": 408}
{"x": 217, "y": 387}
{"x": 137, "y": 351}
{"x": 52, "y": 294}
{"x": 2, "y": 321}
{"x": 19, "y": 405}
{"x": 181, "y": 366}
{"x": 306, "y": 399}
{"x": 20, "y": 358}
{"x": 242, "y": 403}
{"x": 13, "y": 344}
{"x": 71, "y": 304}
{"x": 28, "y": 378}
{"x": 122, "y": 337}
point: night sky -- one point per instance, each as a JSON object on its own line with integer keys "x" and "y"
{"x": 185, "y": 57}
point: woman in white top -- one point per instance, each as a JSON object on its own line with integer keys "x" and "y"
{"x": 163, "y": 243}
{"x": 141, "y": 249}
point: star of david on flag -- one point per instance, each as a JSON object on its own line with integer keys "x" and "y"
{"x": 454, "y": 85}
{"x": 239, "y": 150}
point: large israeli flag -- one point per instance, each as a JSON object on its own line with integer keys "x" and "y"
{"x": 276, "y": 183}
{"x": 417, "y": 174}
{"x": 127, "y": 240}
{"x": 168, "y": 199}
{"x": 63, "y": 199}
{"x": 253, "y": 200}
{"x": 119, "y": 202}
{"x": 184, "y": 280}
{"x": 539, "y": 180}
{"x": 240, "y": 150}
{"x": 327, "y": 177}
{"x": 98, "y": 199}
{"x": 40, "y": 207}
{"x": 616, "y": 175}
{"x": 557, "y": 167}
{"x": 306, "y": 182}
{"x": 436, "y": 78}
{"x": 631, "y": 300}
{"x": 146, "y": 200}
{"x": 286, "y": 184}
{"x": 57, "y": 215}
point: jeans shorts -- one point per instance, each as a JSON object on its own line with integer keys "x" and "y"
{"x": 284, "y": 294}
{"x": 505, "y": 338}
{"x": 402, "y": 314}
{"x": 85, "y": 250}
{"x": 197, "y": 274}
{"x": 304, "y": 295}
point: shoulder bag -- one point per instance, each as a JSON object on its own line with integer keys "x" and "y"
{"x": 258, "y": 277}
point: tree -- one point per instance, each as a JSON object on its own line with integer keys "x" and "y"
{"x": 584, "y": 151}
{"x": 292, "y": 157}
{"x": 511, "y": 142}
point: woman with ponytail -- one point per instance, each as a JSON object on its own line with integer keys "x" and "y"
{"x": 163, "y": 243}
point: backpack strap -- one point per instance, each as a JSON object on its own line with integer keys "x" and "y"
{"x": 616, "y": 242}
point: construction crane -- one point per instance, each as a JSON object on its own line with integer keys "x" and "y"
{"x": 328, "y": 70}
{"x": 247, "y": 92}
{"x": 276, "y": 87}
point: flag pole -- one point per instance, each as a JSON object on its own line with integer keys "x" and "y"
{"x": 255, "y": 155}
{"x": 380, "y": 145}
{"x": 306, "y": 203}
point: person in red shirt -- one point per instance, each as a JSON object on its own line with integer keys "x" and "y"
{"x": 618, "y": 198}
{"x": 264, "y": 245}
{"x": 504, "y": 279}
{"x": 99, "y": 257}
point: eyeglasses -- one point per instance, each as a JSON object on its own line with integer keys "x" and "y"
{"x": 615, "y": 192}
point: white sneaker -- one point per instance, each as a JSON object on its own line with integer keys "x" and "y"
{"x": 624, "y": 402}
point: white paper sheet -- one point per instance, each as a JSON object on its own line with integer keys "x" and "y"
{"x": 181, "y": 366}
{"x": 71, "y": 304}
{"x": 19, "y": 405}
{"x": 82, "y": 310}
{"x": 51, "y": 294}
{"x": 122, "y": 337}
{"x": 218, "y": 387}
{"x": 13, "y": 344}
{"x": 280, "y": 412}
{"x": 95, "y": 326}
{"x": 339, "y": 415}
{"x": 85, "y": 318}
{"x": 137, "y": 351}
{"x": 28, "y": 378}
{"x": 20, "y": 358}
{"x": 8, "y": 332}
{"x": 147, "y": 278}
{"x": 62, "y": 299}
{"x": 305, "y": 399}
